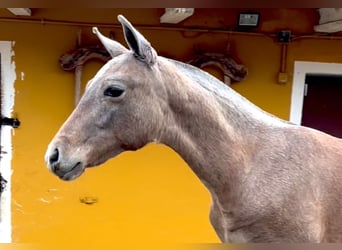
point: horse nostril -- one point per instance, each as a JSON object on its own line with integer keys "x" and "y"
{"x": 54, "y": 157}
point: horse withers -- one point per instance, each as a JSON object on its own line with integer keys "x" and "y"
{"x": 270, "y": 181}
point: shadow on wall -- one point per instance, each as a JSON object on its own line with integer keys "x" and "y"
{"x": 2, "y": 180}
{"x": 2, "y": 183}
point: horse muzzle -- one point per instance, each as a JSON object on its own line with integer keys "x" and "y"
{"x": 65, "y": 169}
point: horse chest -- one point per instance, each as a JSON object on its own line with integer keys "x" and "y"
{"x": 224, "y": 224}
{"x": 247, "y": 225}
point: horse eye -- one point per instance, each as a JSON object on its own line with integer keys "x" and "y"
{"x": 113, "y": 91}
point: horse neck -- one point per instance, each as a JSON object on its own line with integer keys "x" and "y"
{"x": 213, "y": 134}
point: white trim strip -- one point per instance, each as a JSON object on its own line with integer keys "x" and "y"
{"x": 8, "y": 76}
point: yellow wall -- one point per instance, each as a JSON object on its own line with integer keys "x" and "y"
{"x": 145, "y": 196}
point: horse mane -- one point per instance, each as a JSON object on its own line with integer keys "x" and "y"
{"x": 227, "y": 96}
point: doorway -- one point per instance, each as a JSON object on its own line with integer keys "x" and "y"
{"x": 317, "y": 96}
{"x": 322, "y": 103}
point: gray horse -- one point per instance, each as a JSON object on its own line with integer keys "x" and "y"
{"x": 270, "y": 181}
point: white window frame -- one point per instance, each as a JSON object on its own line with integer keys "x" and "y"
{"x": 301, "y": 69}
{"x": 8, "y": 76}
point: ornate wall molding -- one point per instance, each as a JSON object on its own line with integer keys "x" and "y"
{"x": 74, "y": 60}
{"x": 232, "y": 71}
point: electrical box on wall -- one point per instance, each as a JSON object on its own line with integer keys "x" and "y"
{"x": 284, "y": 36}
{"x": 283, "y": 77}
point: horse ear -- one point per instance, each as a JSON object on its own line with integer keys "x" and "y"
{"x": 114, "y": 48}
{"x": 137, "y": 42}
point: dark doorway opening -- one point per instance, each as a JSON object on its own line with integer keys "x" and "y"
{"x": 322, "y": 107}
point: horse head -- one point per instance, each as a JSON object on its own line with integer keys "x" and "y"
{"x": 120, "y": 110}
